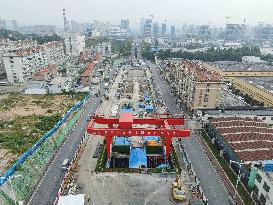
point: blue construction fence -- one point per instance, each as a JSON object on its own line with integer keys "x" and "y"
{"x": 31, "y": 150}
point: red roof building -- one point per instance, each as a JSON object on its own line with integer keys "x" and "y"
{"x": 251, "y": 139}
{"x": 45, "y": 73}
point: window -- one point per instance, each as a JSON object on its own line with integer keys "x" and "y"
{"x": 266, "y": 187}
{"x": 207, "y": 90}
{"x": 208, "y": 85}
{"x": 206, "y": 98}
{"x": 263, "y": 118}
{"x": 255, "y": 189}
{"x": 262, "y": 199}
{"x": 259, "y": 178}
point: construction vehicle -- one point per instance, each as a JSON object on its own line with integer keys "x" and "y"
{"x": 178, "y": 190}
{"x": 152, "y": 143}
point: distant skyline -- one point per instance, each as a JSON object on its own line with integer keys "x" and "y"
{"x": 175, "y": 11}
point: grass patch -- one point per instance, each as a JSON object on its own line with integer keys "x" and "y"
{"x": 225, "y": 166}
{"x": 10, "y": 101}
{"x": 100, "y": 166}
{"x": 21, "y": 133}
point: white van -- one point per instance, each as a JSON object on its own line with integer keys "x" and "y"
{"x": 65, "y": 164}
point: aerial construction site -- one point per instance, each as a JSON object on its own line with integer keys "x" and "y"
{"x": 129, "y": 153}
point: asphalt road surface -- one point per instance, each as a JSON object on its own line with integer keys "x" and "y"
{"x": 210, "y": 182}
{"x": 46, "y": 191}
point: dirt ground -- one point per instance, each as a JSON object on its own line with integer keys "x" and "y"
{"x": 126, "y": 188}
{"x": 19, "y": 115}
{"x": 12, "y": 105}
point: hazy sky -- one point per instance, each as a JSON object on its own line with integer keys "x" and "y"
{"x": 175, "y": 11}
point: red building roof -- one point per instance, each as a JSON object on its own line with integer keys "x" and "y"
{"x": 251, "y": 139}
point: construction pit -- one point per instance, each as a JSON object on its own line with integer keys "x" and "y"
{"x": 137, "y": 171}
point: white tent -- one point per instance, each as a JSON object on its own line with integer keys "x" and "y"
{"x": 71, "y": 200}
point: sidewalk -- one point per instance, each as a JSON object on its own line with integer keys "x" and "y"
{"x": 224, "y": 178}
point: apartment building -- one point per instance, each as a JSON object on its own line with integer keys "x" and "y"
{"x": 9, "y": 46}
{"x": 74, "y": 44}
{"x": 104, "y": 49}
{"x": 20, "y": 65}
{"x": 263, "y": 183}
{"x": 197, "y": 86}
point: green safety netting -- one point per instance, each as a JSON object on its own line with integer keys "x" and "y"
{"x": 28, "y": 174}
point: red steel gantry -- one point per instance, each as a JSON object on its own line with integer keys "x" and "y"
{"x": 126, "y": 126}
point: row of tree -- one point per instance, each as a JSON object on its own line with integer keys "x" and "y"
{"x": 247, "y": 98}
{"x": 119, "y": 46}
{"x": 15, "y": 36}
{"x": 212, "y": 54}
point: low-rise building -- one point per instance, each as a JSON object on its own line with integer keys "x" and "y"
{"x": 263, "y": 114}
{"x": 55, "y": 51}
{"x": 252, "y": 59}
{"x": 46, "y": 73}
{"x": 242, "y": 138}
{"x": 197, "y": 86}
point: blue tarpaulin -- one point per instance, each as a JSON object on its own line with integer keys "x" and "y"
{"x": 126, "y": 110}
{"x": 137, "y": 157}
{"x": 146, "y": 97}
{"x": 146, "y": 138}
{"x": 149, "y": 108}
{"x": 125, "y": 141}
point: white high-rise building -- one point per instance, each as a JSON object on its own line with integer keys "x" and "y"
{"x": 74, "y": 44}
{"x": 104, "y": 49}
{"x": 20, "y": 65}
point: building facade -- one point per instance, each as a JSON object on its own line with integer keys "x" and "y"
{"x": 263, "y": 187}
{"x": 196, "y": 85}
{"x": 21, "y": 64}
{"x": 104, "y": 49}
{"x": 55, "y": 51}
{"x": 74, "y": 44}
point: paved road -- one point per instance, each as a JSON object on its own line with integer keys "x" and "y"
{"x": 47, "y": 190}
{"x": 210, "y": 182}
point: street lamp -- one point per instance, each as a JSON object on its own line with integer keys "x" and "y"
{"x": 238, "y": 176}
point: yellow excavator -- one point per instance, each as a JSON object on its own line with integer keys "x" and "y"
{"x": 178, "y": 190}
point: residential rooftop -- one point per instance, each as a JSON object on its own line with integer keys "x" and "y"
{"x": 199, "y": 70}
{"x": 251, "y": 139}
{"x": 241, "y": 111}
{"x": 240, "y": 66}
